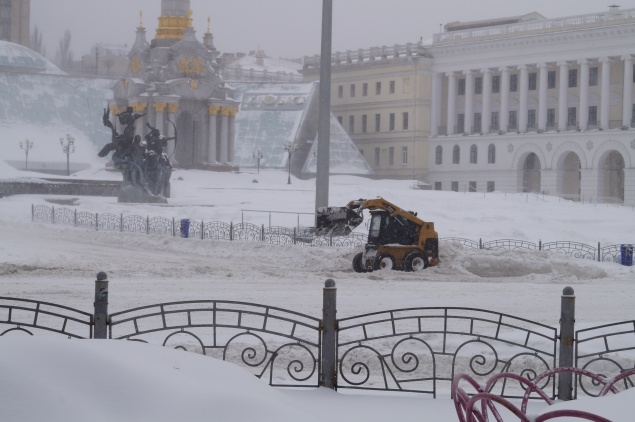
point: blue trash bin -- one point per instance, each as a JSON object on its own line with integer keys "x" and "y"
{"x": 185, "y": 227}
{"x": 627, "y": 255}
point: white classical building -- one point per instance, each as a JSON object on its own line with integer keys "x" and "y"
{"x": 535, "y": 104}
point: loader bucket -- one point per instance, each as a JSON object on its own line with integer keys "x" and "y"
{"x": 336, "y": 221}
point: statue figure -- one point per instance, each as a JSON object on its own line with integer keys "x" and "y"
{"x": 145, "y": 168}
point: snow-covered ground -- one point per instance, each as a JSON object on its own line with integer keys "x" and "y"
{"x": 58, "y": 264}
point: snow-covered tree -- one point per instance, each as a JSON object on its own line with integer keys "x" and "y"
{"x": 37, "y": 44}
{"x": 64, "y": 54}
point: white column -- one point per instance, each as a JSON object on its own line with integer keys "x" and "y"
{"x": 605, "y": 93}
{"x": 224, "y": 134}
{"x": 584, "y": 94}
{"x": 435, "y": 110}
{"x": 159, "y": 108}
{"x": 486, "y": 116}
{"x": 231, "y": 134}
{"x": 504, "y": 115}
{"x": 469, "y": 101}
{"x": 451, "y": 102}
{"x": 627, "y": 95}
{"x": 522, "y": 101}
{"x": 562, "y": 100}
{"x": 211, "y": 138}
{"x": 542, "y": 96}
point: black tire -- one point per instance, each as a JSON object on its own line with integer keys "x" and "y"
{"x": 415, "y": 261}
{"x": 357, "y": 263}
{"x": 384, "y": 262}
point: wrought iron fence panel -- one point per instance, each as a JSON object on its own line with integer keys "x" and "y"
{"x": 605, "y": 350}
{"x": 509, "y": 244}
{"x": 572, "y": 249}
{"x": 416, "y": 349}
{"x": 279, "y": 235}
{"x": 216, "y": 230}
{"x": 461, "y": 241}
{"x": 160, "y": 225}
{"x": 135, "y": 224}
{"x": 86, "y": 219}
{"x": 247, "y": 231}
{"x": 350, "y": 241}
{"x": 110, "y": 222}
{"x": 280, "y": 346}
{"x": 42, "y": 213}
{"x": 195, "y": 229}
{"x": 64, "y": 216}
{"x": 611, "y": 253}
{"x": 29, "y": 317}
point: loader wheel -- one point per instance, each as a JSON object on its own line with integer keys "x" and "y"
{"x": 415, "y": 262}
{"x": 384, "y": 262}
{"x": 357, "y": 263}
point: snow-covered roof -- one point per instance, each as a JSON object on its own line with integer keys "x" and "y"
{"x": 16, "y": 57}
{"x": 268, "y": 64}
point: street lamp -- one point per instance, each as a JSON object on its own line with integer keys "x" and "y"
{"x": 68, "y": 148}
{"x": 258, "y": 156}
{"x": 26, "y": 146}
{"x": 290, "y": 147}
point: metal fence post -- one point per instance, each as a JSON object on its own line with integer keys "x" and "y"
{"x": 567, "y": 332}
{"x": 599, "y": 253}
{"x": 329, "y": 335}
{"x": 101, "y": 306}
{"x": 32, "y": 212}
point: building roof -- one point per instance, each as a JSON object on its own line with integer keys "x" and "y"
{"x": 17, "y": 58}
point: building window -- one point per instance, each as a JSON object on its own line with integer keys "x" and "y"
{"x": 339, "y": 119}
{"x": 491, "y": 187}
{"x": 513, "y": 83}
{"x": 378, "y": 88}
{"x": 391, "y": 156}
{"x": 351, "y": 124}
{"x": 573, "y": 78}
{"x": 460, "y": 123}
{"x": 551, "y": 79}
{"x": 512, "y": 124}
{"x": 455, "y": 186}
{"x": 491, "y": 154}
{"x": 531, "y": 119}
{"x": 478, "y": 85}
{"x": 391, "y": 87}
{"x": 340, "y": 91}
{"x": 473, "y": 154}
{"x": 404, "y": 121}
{"x": 593, "y": 76}
{"x": 461, "y": 87}
{"x": 551, "y": 118}
{"x": 456, "y": 155}
{"x": 391, "y": 122}
{"x": 533, "y": 81}
{"x": 494, "y": 125}
{"x": 377, "y": 156}
{"x": 438, "y": 186}
{"x": 377, "y": 122}
{"x": 571, "y": 116}
{"x": 593, "y": 115}
{"x": 472, "y": 186}
{"x": 438, "y": 159}
{"x": 477, "y": 123}
{"x": 364, "y": 89}
{"x": 364, "y": 123}
{"x": 352, "y": 90}
{"x": 404, "y": 155}
{"x": 496, "y": 84}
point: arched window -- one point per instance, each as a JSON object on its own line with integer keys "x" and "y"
{"x": 491, "y": 154}
{"x": 473, "y": 154}
{"x": 456, "y": 155}
{"x": 439, "y": 155}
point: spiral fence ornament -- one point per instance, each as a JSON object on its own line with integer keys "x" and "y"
{"x": 135, "y": 224}
{"x": 572, "y": 249}
{"x": 64, "y": 216}
{"x": 109, "y": 222}
{"x": 247, "y": 231}
{"x": 160, "y": 225}
{"x": 86, "y": 219}
{"x": 216, "y": 230}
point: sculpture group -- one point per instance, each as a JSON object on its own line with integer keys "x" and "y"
{"x": 146, "y": 169}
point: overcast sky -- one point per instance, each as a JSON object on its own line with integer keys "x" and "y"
{"x": 285, "y": 28}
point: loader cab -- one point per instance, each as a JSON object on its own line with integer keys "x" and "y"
{"x": 386, "y": 229}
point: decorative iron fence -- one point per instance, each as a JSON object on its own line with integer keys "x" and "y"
{"x": 417, "y": 350}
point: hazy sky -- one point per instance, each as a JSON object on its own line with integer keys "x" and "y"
{"x": 285, "y": 28}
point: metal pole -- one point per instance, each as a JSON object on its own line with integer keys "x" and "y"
{"x": 101, "y": 306}
{"x": 329, "y": 335}
{"x": 289, "y": 180}
{"x": 324, "y": 123}
{"x": 567, "y": 332}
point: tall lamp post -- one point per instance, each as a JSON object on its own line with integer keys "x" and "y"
{"x": 290, "y": 147}
{"x": 26, "y": 146}
{"x": 68, "y": 148}
{"x": 258, "y": 156}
